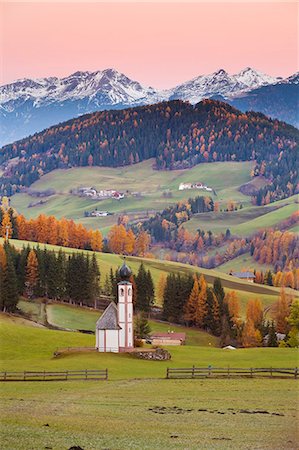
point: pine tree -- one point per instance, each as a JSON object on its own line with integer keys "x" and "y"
{"x": 3, "y": 277}
{"x": 94, "y": 281}
{"x": 191, "y": 306}
{"x": 9, "y": 296}
{"x": 145, "y": 290}
{"x": 220, "y": 294}
{"x": 161, "y": 287}
{"x": 142, "y": 328}
{"x": 202, "y": 308}
{"x": 168, "y": 298}
{"x": 282, "y": 313}
{"x": 32, "y": 273}
{"x": 248, "y": 335}
{"x": 21, "y": 268}
{"x": 254, "y": 311}
{"x": 6, "y": 226}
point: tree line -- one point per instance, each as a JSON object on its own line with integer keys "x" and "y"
{"x": 43, "y": 273}
{"x": 189, "y": 300}
{"x": 175, "y": 133}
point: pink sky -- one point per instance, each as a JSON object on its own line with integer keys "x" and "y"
{"x": 158, "y": 44}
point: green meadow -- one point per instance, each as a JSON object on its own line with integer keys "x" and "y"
{"x": 138, "y": 408}
{"x": 141, "y": 178}
{"x": 246, "y": 221}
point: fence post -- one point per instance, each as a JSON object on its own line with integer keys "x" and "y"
{"x": 44, "y": 375}
{"x": 66, "y": 374}
{"x": 85, "y": 374}
{"x": 271, "y": 372}
{"x": 193, "y": 371}
{"x": 167, "y": 372}
{"x": 296, "y": 372}
{"x": 251, "y": 372}
{"x": 228, "y": 371}
{"x": 106, "y": 377}
{"x": 24, "y": 375}
{"x": 4, "y": 376}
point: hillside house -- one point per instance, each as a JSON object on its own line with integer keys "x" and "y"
{"x": 184, "y": 186}
{"x": 248, "y": 276}
{"x": 169, "y": 338}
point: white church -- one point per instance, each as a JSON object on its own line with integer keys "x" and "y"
{"x": 114, "y": 329}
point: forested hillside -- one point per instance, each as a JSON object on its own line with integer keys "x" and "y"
{"x": 176, "y": 133}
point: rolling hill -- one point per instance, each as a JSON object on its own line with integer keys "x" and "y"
{"x": 161, "y": 190}
{"x": 175, "y": 133}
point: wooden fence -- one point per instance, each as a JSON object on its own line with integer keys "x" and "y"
{"x": 65, "y": 375}
{"x": 220, "y": 372}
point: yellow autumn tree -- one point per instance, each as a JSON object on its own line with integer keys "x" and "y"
{"x": 96, "y": 241}
{"x": 32, "y": 272}
{"x": 6, "y": 226}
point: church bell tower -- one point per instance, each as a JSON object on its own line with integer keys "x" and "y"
{"x": 125, "y": 309}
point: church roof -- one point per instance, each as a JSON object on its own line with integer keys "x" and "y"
{"x": 125, "y": 272}
{"x": 108, "y": 320}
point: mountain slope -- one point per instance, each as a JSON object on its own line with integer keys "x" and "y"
{"x": 220, "y": 83}
{"x": 277, "y": 100}
{"x": 28, "y": 106}
{"x": 177, "y": 134}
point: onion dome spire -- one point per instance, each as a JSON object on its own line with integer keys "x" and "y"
{"x": 125, "y": 272}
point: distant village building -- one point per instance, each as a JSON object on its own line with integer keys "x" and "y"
{"x": 114, "y": 329}
{"x": 184, "y": 186}
{"x": 197, "y": 185}
{"x": 248, "y": 276}
{"x": 169, "y": 338}
{"x": 92, "y": 193}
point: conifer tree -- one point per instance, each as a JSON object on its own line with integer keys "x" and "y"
{"x": 94, "y": 280}
{"x": 134, "y": 289}
{"x": 251, "y": 337}
{"x": 21, "y": 268}
{"x": 282, "y": 312}
{"x": 220, "y": 294}
{"x": 32, "y": 273}
{"x": 202, "y": 308}
{"x": 11, "y": 283}
{"x": 3, "y": 278}
{"x": 161, "y": 287}
{"x": 169, "y": 296}
{"x": 142, "y": 328}
{"x": 191, "y": 306}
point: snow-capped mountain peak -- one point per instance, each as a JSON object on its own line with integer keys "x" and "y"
{"x": 252, "y": 78}
{"x": 29, "y": 105}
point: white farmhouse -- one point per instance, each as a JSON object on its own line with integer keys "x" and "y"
{"x": 184, "y": 186}
{"x": 114, "y": 329}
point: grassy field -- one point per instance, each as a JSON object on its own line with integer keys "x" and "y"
{"x": 243, "y": 262}
{"x": 77, "y": 318}
{"x": 126, "y": 415}
{"x": 141, "y": 178}
{"x": 26, "y": 346}
{"x": 245, "y": 221}
{"x": 126, "y": 411}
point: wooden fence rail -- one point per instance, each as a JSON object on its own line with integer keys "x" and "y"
{"x": 65, "y": 375}
{"x": 217, "y": 372}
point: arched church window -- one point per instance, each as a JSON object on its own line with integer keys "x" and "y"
{"x": 122, "y": 292}
{"x": 130, "y": 291}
